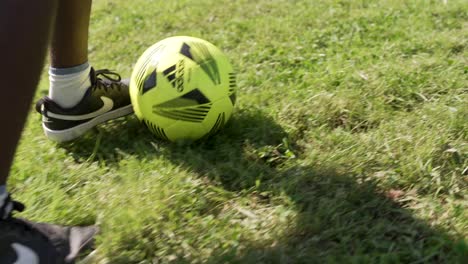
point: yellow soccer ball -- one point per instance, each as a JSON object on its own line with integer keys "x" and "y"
{"x": 183, "y": 88}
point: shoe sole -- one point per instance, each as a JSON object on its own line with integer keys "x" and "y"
{"x": 74, "y": 132}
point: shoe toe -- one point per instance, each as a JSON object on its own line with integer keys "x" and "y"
{"x": 81, "y": 238}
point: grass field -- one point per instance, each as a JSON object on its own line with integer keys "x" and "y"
{"x": 349, "y": 142}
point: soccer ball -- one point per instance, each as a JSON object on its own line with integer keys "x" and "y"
{"x": 183, "y": 88}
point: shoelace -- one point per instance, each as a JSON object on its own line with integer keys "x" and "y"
{"x": 22, "y": 225}
{"x": 15, "y": 206}
{"x": 109, "y": 75}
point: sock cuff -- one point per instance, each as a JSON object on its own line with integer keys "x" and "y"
{"x": 69, "y": 70}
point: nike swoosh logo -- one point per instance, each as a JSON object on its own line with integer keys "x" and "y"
{"x": 108, "y": 104}
{"x": 25, "y": 255}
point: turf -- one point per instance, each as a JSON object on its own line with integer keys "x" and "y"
{"x": 348, "y": 144}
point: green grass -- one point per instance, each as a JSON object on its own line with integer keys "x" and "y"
{"x": 349, "y": 142}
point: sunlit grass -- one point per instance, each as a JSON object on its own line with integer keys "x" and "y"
{"x": 348, "y": 144}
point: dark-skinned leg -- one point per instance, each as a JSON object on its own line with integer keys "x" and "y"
{"x": 69, "y": 45}
{"x": 27, "y": 25}
{"x": 69, "y": 69}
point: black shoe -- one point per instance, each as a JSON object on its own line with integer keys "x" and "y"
{"x": 25, "y": 242}
{"x": 107, "y": 98}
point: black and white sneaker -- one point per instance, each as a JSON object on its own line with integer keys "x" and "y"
{"x": 26, "y": 242}
{"x": 107, "y": 98}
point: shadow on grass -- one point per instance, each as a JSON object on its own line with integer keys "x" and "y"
{"x": 339, "y": 219}
{"x": 342, "y": 221}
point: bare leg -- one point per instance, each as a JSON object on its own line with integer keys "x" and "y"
{"x": 25, "y": 28}
{"x": 69, "y": 45}
{"x": 73, "y": 83}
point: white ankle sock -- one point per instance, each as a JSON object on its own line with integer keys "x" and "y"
{"x": 68, "y": 85}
